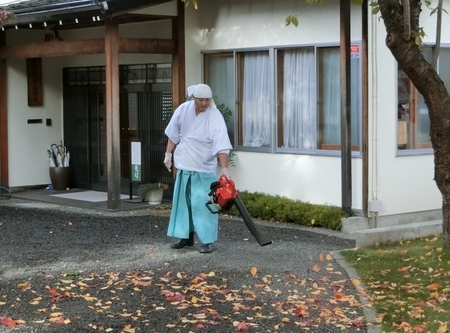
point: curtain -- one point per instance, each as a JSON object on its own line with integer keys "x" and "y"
{"x": 330, "y": 96}
{"x": 256, "y": 100}
{"x": 299, "y": 99}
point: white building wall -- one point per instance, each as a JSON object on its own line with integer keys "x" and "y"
{"x": 402, "y": 183}
{"x": 227, "y": 25}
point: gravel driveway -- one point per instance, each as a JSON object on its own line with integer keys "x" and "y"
{"x": 65, "y": 269}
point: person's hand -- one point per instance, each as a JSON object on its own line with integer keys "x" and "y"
{"x": 226, "y": 173}
{"x": 168, "y": 161}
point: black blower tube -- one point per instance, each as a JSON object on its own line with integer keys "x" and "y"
{"x": 260, "y": 238}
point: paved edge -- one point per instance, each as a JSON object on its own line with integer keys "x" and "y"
{"x": 369, "y": 312}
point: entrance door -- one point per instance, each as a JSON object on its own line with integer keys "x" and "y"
{"x": 144, "y": 112}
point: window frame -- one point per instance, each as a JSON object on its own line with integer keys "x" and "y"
{"x": 412, "y": 127}
{"x": 275, "y": 77}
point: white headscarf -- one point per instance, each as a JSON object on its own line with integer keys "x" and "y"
{"x": 201, "y": 91}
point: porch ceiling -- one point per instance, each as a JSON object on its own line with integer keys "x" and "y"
{"x": 75, "y": 14}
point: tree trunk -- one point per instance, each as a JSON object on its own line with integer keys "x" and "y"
{"x": 428, "y": 83}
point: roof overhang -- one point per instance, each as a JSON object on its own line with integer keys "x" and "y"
{"x": 30, "y": 12}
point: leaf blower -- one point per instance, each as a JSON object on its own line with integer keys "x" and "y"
{"x": 223, "y": 195}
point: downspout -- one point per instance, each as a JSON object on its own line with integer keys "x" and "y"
{"x": 374, "y": 120}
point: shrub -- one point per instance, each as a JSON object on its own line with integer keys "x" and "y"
{"x": 276, "y": 208}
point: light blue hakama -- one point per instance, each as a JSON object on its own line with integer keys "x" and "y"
{"x": 189, "y": 211}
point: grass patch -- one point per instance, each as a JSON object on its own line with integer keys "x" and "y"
{"x": 408, "y": 283}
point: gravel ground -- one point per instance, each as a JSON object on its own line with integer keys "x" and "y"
{"x": 65, "y": 269}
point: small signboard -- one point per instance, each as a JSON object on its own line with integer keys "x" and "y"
{"x": 354, "y": 51}
{"x": 136, "y": 168}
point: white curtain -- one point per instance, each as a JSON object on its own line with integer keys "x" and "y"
{"x": 299, "y": 99}
{"x": 330, "y": 97}
{"x": 255, "y": 100}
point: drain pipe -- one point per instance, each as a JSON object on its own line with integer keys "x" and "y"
{"x": 374, "y": 205}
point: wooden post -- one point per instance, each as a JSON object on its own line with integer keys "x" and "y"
{"x": 178, "y": 62}
{"x": 346, "y": 151}
{"x": 112, "y": 112}
{"x": 365, "y": 106}
{"x": 4, "y": 175}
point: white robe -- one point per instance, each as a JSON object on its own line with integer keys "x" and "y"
{"x": 198, "y": 138}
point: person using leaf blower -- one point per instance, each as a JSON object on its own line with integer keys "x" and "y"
{"x": 198, "y": 130}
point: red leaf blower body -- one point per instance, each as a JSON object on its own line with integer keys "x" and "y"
{"x": 223, "y": 195}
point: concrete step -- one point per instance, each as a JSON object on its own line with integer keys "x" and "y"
{"x": 371, "y": 237}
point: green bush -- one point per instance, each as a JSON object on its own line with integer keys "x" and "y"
{"x": 275, "y": 208}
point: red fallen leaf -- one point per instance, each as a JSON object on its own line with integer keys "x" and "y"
{"x": 142, "y": 283}
{"x": 55, "y": 295}
{"x": 335, "y": 287}
{"x": 136, "y": 275}
{"x": 175, "y": 298}
{"x": 224, "y": 291}
{"x": 6, "y": 321}
{"x": 167, "y": 293}
{"x": 433, "y": 286}
{"x": 419, "y": 329}
{"x": 167, "y": 275}
{"x": 304, "y": 323}
{"x": 57, "y": 320}
{"x": 301, "y": 311}
{"x": 339, "y": 295}
{"x": 200, "y": 326}
{"x": 243, "y": 327}
{"x": 358, "y": 324}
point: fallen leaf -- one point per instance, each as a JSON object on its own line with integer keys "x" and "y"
{"x": 433, "y": 286}
{"x": 9, "y": 322}
{"x": 253, "y": 271}
{"x": 442, "y": 328}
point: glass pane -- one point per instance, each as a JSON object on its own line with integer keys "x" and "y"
{"x": 219, "y": 75}
{"x": 329, "y": 96}
{"x": 255, "y": 99}
{"x": 413, "y": 121}
{"x": 355, "y": 100}
{"x": 444, "y": 66}
{"x": 297, "y": 98}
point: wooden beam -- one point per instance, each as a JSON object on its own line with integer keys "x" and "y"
{"x": 83, "y": 47}
{"x": 53, "y": 49}
{"x": 145, "y": 45}
{"x": 112, "y": 42}
{"x": 4, "y": 173}
{"x": 178, "y": 61}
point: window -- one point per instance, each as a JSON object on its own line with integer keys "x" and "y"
{"x": 413, "y": 121}
{"x": 289, "y": 101}
{"x": 254, "y": 99}
{"x": 296, "y": 92}
{"x": 329, "y": 102}
{"x": 219, "y": 74}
